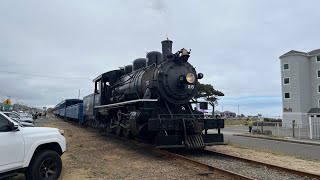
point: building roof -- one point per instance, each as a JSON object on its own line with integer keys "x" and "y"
{"x": 314, "y": 111}
{"x": 314, "y": 52}
{"x": 294, "y": 52}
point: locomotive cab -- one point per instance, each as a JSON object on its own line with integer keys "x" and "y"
{"x": 103, "y": 84}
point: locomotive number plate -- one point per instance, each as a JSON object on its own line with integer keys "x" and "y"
{"x": 190, "y": 86}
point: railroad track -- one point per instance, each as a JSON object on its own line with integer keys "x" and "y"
{"x": 207, "y": 167}
{"x": 231, "y": 166}
{"x": 271, "y": 166}
{"x": 246, "y": 167}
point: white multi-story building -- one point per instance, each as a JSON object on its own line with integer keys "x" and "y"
{"x": 300, "y": 75}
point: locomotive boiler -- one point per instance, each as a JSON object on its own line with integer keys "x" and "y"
{"x": 151, "y": 100}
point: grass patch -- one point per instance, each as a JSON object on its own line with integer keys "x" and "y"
{"x": 233, "y": 121}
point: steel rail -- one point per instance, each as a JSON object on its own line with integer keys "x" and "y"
{"x": 271, "y": 166}
{"x": 177, "y": 157}
{"x": 204, "y": 166}
{"x": 184, "y": 159}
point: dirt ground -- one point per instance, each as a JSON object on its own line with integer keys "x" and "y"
{"x": 92, "y": 156}
{"x": 283, "y": 160}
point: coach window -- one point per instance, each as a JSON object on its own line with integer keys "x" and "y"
{"x": 4, "y": 124}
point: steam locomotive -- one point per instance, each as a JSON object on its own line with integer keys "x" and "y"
{"x": 151, "y": 100}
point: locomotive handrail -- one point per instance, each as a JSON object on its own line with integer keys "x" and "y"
{"x": 180, "y": 115}
{"x": 127, "y": 102}
{"x": 190, "y": 115}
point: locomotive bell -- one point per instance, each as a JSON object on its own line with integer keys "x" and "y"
{"x": 184, "y": 54}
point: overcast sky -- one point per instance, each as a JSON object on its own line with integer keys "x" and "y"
{"x": 235, "y": 44}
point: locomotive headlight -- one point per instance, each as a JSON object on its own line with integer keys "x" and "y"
{"x": 190, "y": 77}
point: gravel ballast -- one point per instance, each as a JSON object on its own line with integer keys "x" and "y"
{"x": 243, "y": 168}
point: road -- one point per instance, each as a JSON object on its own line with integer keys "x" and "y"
{"x": 300, "y": 150}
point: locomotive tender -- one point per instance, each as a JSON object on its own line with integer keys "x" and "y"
{"x": 151, "y": 100}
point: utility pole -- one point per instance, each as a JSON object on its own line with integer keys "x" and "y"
{"x": 238, "y": 110}
{"x": 222, "y": 108}
{"x": 79, "y": 94}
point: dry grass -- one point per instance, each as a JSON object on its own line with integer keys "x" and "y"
{"x": 233, "y": 122}
{"x": 92, "y": 156}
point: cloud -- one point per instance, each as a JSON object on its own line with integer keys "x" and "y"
{"x": 235, "y": 44}
{"x": 158, "y": 5}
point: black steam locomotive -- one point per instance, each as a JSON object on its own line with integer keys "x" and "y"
{"x": 151, "y": 100}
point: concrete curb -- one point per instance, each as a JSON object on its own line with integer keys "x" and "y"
{"x": 283, "y": 140}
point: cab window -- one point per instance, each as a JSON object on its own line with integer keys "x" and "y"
{"x": 97, "y": 87}
{"x": 4, "y": 124}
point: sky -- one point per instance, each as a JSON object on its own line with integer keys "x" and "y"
{"x": 235, "y": 44}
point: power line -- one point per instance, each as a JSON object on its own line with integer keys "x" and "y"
{"x": 43, "y": 76}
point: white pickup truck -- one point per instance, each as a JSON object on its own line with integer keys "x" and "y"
{"x": 34, "y": 151}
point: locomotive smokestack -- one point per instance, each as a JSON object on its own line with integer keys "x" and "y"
{"x": 166, "y": 49}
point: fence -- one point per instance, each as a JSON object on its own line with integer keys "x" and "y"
{"x": 294, "y": 130}
{"x": 314, "y": 124}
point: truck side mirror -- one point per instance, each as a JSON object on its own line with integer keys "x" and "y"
{"x": 14, "y": 127}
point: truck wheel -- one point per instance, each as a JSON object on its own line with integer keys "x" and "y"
{"x": 46, "y": 165}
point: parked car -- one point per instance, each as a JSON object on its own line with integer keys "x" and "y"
{"x": 17, "y": 116}
{"x": 25, "y": 115}
{"x": 35, "y": 151}
{"x": 17, "y": 120}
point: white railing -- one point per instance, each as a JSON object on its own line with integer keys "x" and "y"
{"x": 294, "y": 130}
{"x": 314, "y": 125}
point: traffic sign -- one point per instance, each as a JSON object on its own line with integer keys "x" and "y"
{"x": 6, "y": 107}
{"x": 7, "y": 102}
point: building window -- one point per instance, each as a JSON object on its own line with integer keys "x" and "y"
{"x": 318, "y": 88}
{"x": 285, "y": 66}
{"x": 319, "y": 103}
{"x": 318, "y": 73}
{"x": 286, "y": 81}
{"x": 287, "y": 95}
{"x": 318, "y": 59}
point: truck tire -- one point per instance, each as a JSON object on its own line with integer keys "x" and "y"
{"x": 45, "y": 165}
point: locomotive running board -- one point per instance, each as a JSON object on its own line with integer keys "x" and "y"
{"x": 126, "y": 102}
